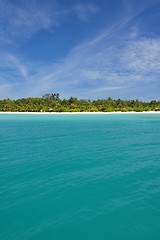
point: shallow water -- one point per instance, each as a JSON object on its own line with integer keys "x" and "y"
{"x": 80, "y": 177}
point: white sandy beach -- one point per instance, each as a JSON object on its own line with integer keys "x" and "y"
{"x": 92, "y": 113}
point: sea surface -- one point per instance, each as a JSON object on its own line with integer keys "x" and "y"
{"x": 80, "y": 177}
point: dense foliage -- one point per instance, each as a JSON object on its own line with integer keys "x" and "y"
{"x": 53, "y": 103}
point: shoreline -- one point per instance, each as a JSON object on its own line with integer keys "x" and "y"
{"x": 81, "y": 113}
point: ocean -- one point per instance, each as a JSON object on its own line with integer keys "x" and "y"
{"x": 80, "y": 177}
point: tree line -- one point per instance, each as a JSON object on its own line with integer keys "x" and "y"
{"x": 52, "y": 103}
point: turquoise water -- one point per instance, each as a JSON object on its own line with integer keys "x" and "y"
{"x": 80, "y": 177}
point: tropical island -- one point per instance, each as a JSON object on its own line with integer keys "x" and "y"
{"x": 51, "y": 102}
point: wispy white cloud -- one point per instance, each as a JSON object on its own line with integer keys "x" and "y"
{"x": 110, "y": 72}
{"x": 24, "y": 19}
{"x": 137, "y": 6}
{"x": 5, "y": 90}
{"x": 85, "y": 10}
{"x": 16, "y": 63}
{"x": 112, "y": 69}
{"x": 143, "y": 56}
{"x": 13, "y": 64}
{"x": 114, "y": 63}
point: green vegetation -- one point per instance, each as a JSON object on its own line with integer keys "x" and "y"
{"x": 53, "y": 103}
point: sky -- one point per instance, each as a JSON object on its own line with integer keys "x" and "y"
{"x": 90, "y": 49}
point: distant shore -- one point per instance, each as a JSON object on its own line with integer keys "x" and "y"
{"x": 93, "y": 113}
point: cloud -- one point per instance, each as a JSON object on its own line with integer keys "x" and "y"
{"x": 117, "y": 62}
{"x": 114, "y": 68}
{"x": 143, "y": 56}
{"x": 22, "y": 69}
{"x": 137, "y": 6}
{"x": 5, "y": 90}
{"x": 85, "y": 10}
{"x": 24, "y": 19}
{"x": 105, "y": 69}
{"x": 21, "y": 19}
{"x": 14, "y": 65}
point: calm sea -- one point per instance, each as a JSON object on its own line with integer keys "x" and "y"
{"x": 80, "y": 177}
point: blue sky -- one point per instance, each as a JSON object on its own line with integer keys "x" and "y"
{"x": 87, "y": 49}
